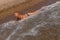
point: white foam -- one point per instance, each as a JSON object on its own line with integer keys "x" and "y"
{"x": 14, "y": 31}
{"x": 31, "y": 32}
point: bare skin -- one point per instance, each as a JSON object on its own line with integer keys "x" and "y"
{"x": 19, "y": 16}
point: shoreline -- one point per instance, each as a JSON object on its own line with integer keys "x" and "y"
{"x": 32, "y": 8}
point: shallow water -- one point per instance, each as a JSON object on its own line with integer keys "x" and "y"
{"x": 43, "y": 25}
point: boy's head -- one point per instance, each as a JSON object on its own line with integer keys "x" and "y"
{"x": 16, "y": 14}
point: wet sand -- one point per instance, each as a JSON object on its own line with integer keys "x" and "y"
{"x": 33, "y": 8}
